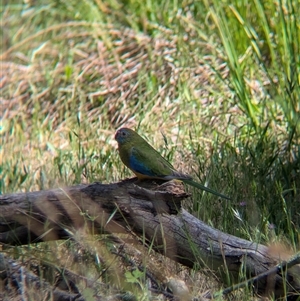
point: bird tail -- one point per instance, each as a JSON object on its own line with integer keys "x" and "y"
{"x": 178, "y": 176}
{"x": 202, "y": 187}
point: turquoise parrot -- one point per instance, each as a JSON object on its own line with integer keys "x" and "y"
{"x": 139, "y": 156}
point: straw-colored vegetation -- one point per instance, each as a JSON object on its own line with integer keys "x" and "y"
{"x": 213, "y": 85}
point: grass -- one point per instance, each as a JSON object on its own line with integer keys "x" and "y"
{"x": 214, "y": 86}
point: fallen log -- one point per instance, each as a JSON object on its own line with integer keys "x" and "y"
{"x": 150, "y": 211}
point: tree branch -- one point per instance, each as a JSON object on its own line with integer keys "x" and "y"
{"x": 149, "y": 211}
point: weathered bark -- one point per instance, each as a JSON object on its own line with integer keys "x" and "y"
{"x": 151, "y": 211}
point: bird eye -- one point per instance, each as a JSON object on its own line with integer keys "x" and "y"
{"x": 123, "y": 134}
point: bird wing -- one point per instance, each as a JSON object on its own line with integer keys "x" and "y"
{"x": 152, "y": 164}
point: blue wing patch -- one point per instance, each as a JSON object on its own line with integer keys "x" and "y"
{"x": 136, "y": 164}
{"x": 139, "y": 167}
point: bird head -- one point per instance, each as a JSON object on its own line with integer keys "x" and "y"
{"x": 123, "y": 135}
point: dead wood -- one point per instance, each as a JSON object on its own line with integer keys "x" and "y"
{"x": 147, "y": 210}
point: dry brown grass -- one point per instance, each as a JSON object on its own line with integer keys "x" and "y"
{"x": 89, "y": 79}
{"x": 108, "y": 82}
{"x": 107, "y": 79}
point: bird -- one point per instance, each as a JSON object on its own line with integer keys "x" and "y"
{"x": 147, "y": 163}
